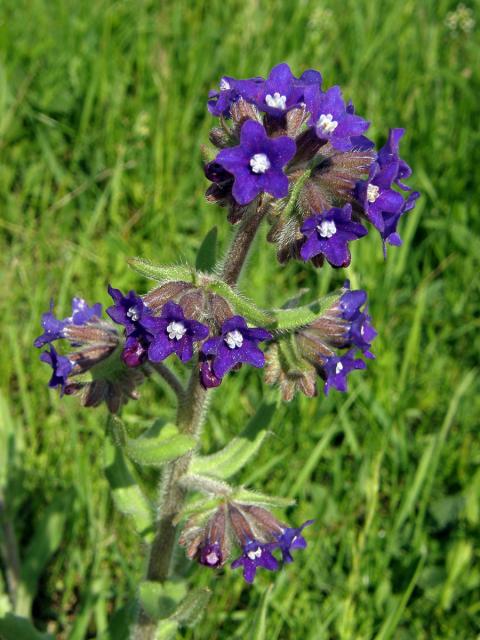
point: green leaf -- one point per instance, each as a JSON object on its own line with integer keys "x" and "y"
{"x": 120, "y": 622}
{"x": 259, "y": 627}
{"x": 207, "y": 253}
{"x": 45, "y": 541}
{"x": 193, "y": 607}
{"x": 242, "y": 305}
{"x": 155, "y": 449}
{"x": 16, "y": 628}
{"x": 254, "y": 497}
{"x": 287, "y": 319}
{"x": 161, "y": 273}
{"x": 127, "y": 495}
{"x": 160, "y": 600}
{"x": 239, "y": 451}
{"x": 166, "y": 630}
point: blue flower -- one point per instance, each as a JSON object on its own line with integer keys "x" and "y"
{"x": 237, "y": 344}
{"x": 61, "y": 366}
{"x": 54, "y": 328}
{"x": 256, "y": 554}
{"x": 257, "y": 163}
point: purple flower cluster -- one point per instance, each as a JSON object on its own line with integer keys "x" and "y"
{"x": 155, "y": 337}
{"x": 56, "y": 329}
{"x": 254, "y": 529}
{"x": 382, "y": 205}
{"x": 257, "y": 554}
{"x": 287, "y": 129}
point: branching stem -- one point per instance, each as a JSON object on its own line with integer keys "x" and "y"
{"x": 191, "y": 411}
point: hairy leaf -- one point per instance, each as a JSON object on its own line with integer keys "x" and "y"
{"x": 161, "y": 272}
{"x": 193, "y": 607}
{"x": 154, "y": 450}
{"x": 239, "y": 451}
{"x": 127, "y": 495}
{"x": 207, "y": 253}
{"x": 287, "y": 319}
{"x": 254, "y": 497}
{"x": 161, "y": 600}
{"x": 242, "y": 305}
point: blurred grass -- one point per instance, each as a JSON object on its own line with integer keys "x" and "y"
{"x": 102, "y": 114}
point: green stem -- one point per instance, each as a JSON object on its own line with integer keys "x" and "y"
{"x": 190, "y": 416}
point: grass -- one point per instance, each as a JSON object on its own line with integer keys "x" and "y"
{"x": 102, "y": 114}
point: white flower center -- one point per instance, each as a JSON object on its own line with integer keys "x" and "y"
{"x": 254, "y": 554}
{"x": 326, "y": 123}
{"x": 212, "y": 558}
{"x": 327, "y": 228}
{"x": 338, "y": 368}
{"x": 176, "y": 330}
{"x": 362, "y": 330}
{"x": 133, "y": 314}
{"x": 234, "y": 339}
{"x": 372, "y": 192}
{"x": 276, "y": 101}
{"x": 224, "y": 85}
{"x": 259, "y": 163}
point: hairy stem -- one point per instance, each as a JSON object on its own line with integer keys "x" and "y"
{"x": 190, "y": 415}
{"x": 170, "y": 378}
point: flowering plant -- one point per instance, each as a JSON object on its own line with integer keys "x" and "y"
{"x": 294, "y": 156}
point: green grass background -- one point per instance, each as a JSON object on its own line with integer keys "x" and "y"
{"x": 102, "y": 114}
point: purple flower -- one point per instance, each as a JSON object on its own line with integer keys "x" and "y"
{"x": 329, "y": 233}
{"x": 378, "y": 199}
{"x": 337, "y": 368}
{"x": 219, "y": 102}
{"x": 256, "y": 554}
{"x": 292, "y": 538}
{"x": 360, "y": 333}
{"x": 257, "y": 163}
{"x": 332, "y": 120}
{"x": 172, "y": 332}
{"x": 128, "y": 310}
{"x": 211, "y": 555}
{"x": 389, "y": 154}
{"x": 61, "y": 366}
{"x": 282, "y": 91}
{"x": 236, "y": 344}
{"x": 54, "y": 328}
